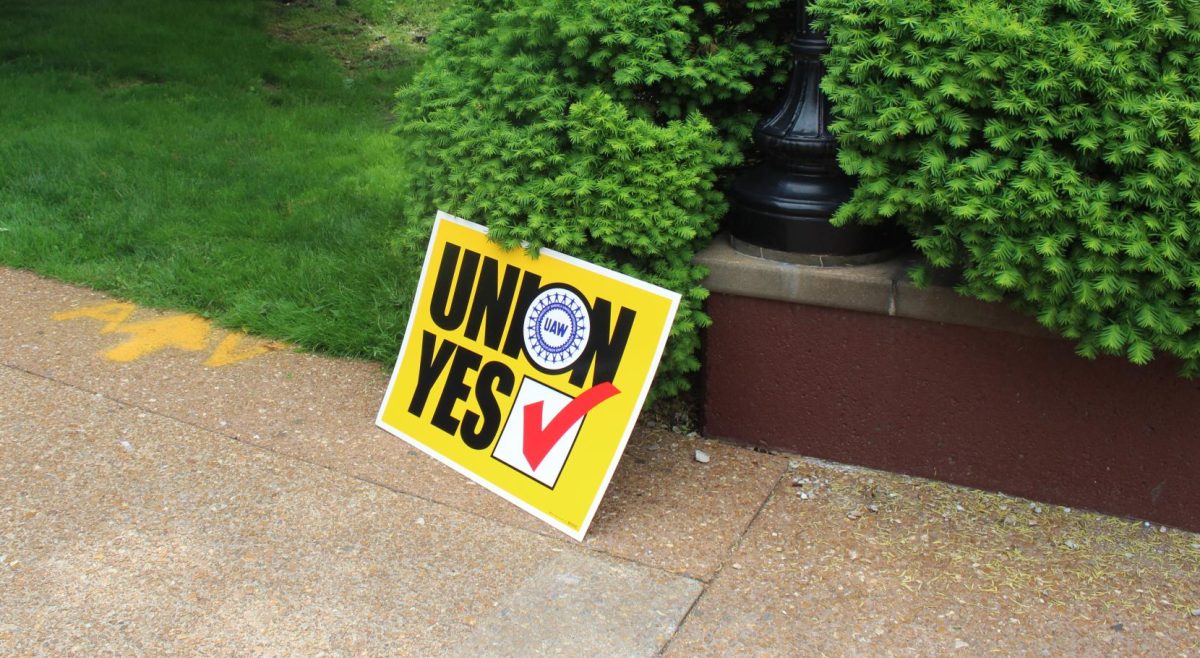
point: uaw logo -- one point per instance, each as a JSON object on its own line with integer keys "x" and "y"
{"x": 556, "y": 329}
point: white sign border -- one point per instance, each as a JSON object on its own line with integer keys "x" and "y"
{"x": 578, "y": 535}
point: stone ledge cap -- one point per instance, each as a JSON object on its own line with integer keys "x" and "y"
{"x": 882, "y": 288}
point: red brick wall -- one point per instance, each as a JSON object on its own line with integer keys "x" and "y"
{"x": 982, "y": 408}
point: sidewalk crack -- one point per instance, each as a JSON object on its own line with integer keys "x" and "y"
{"x": 733, "y": 549}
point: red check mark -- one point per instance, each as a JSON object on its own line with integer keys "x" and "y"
{"x": 539, "y": 440}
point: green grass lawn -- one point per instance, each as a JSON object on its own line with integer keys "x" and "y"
{"x": 226, "y": 157}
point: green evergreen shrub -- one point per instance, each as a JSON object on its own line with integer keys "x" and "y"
{"x": 594, "y": 127}
{"x": 1046, "y": 147}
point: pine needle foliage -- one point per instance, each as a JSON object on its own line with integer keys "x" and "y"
{"x": 594, "y": 127}
{"x": 1048, "y": 148}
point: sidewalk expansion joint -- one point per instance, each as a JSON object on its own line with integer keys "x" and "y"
{"x": 733, "y": 549}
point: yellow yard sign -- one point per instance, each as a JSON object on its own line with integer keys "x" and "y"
{"x": 525, "y": 374}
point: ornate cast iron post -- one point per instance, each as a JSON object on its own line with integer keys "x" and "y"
{"x": 780, "y": 208}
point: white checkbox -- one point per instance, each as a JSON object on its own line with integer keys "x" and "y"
{"x": 510, "y": 449}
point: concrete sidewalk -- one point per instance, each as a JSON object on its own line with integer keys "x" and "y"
{"x": 171, "y": 488}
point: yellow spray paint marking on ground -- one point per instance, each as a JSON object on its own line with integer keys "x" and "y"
{"x": 113, "y": 314}
{"x": 229, "y": 351}
{"x": 183, "y": 332}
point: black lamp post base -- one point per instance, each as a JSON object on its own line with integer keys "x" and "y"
{"x": 780, "y": 209}
{"x": 784, "y": 215}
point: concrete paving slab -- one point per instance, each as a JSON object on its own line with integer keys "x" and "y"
{"x": 666, "y": 509}
{"x": 662, "y": 509}
{"x": 126, "y": 533}
{"x": 555, "y": 612}
{"x": 857, "y": 562}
